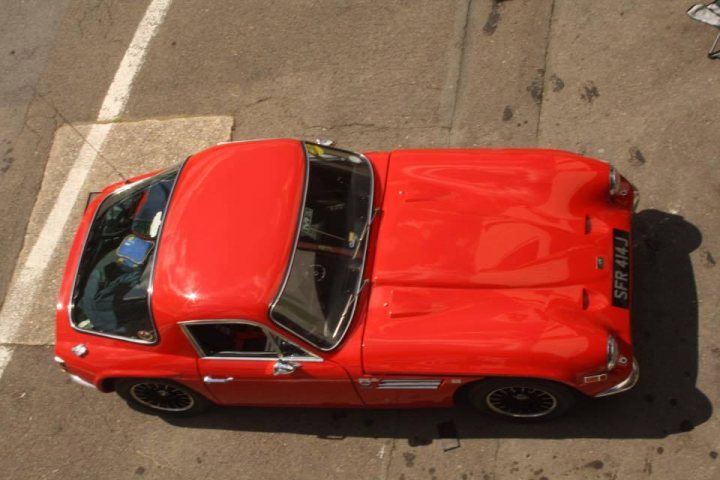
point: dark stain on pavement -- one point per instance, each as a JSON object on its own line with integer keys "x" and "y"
{"x": 713, "y": 455}
{"x": 536, "y": 87}
{"x": 637, "y": 158}
{"x": 660, "y": 450}
{"x": 493, "y": 19}
{"x": 140, "y": 470}
{"x": 709, "y": 260}
{"x": 557, "y": 83}
{"x": 507, "y": 114}
{"x": 7, "y": 160}
{"x": 647, "y": 468}
{"x": 409, "y": 459}
{"x": 596, "y": 464}
{"x": 590, "y": 92}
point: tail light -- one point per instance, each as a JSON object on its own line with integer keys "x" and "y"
{"x": 622, "y": 192}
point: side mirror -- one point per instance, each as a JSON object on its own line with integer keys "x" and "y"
{"x": 325, "y": 142}
{"x": 283, "y": 367}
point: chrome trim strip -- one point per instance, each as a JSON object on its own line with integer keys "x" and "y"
{"x": 201, "y": 354}
{"x": 626, "y": 384}
{"x": 636, "y": 199}
{"x": 82, "y": 382}
{"x": 409, "y": 384}
{"x": 209, "y": 379}
{"x": 371, "y": 208}
{"x": 152, "y": 266}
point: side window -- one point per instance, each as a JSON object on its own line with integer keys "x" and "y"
{"x": 232, "y": 340}
{"x": 289, "y": 350}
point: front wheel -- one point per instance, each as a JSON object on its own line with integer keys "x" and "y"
{"x": 163, "y": 397}
{"x": 522, "y": 399}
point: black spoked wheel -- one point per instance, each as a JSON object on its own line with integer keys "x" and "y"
{"x": 161, "y": 396}
{"x": 523, "y": 400}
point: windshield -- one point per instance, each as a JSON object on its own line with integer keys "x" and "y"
{"x": 111, "y": 288}
{"x": 318, "y": 298}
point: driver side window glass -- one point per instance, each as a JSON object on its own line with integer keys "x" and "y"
{"x": 289, "y": 350}
{"x": 232, "y": 340}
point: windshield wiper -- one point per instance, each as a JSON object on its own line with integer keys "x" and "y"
{"x": 348, "y": 305}
{"x": 364, "y": 232}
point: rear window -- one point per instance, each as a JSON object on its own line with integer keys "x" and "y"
{"x": 111, "y": 288}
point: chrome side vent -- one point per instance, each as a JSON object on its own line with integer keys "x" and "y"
{"x": 409, "y": 384}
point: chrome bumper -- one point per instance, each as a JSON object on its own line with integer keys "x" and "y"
{"x": 626, "y": 384}
{"x": 74, "y": 378}
{"x": 82, "y": 382}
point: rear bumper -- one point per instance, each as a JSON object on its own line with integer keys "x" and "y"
{"x": 82, "y": 382}
{"x": 75, "y": 378}
{"x": 626, "y": 384}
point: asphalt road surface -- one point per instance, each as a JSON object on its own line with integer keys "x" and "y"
{"x": 627, "y": 82}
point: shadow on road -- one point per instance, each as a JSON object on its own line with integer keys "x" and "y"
{"x": 665, "y": 401}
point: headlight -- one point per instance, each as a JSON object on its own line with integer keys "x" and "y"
{"x": 612, "y": 353}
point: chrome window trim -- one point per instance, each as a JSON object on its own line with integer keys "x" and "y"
{"x": 201, "y": 354}
{"x": 361, "y": 279}
{"x": 70, "y": 304}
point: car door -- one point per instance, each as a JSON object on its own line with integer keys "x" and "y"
{"x": 242, "y": 363}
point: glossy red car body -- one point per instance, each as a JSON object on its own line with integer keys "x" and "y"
{"x": 482, "y": 263}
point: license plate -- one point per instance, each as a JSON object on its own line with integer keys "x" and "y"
{"x": 621, "y": 269}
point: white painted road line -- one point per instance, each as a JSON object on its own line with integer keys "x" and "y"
{"x": 119, "y": 90}
{"x": 26, "y": 280}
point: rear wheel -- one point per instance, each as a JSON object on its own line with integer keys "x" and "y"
{"x": 159, "y": 396}
{"x": 521, "y": 399}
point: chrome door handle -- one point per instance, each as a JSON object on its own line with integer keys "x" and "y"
{"x": 209, "y": 379}
{"x": 283, "y": 367}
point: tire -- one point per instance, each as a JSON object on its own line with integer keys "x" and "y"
{"x": 522, "y": 399}
{"x": 146, "y": 395}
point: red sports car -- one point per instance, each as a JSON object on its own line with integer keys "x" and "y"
{"x": 289, "y": 273}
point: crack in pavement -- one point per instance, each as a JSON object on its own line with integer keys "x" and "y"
{"x": 450, "y": 123}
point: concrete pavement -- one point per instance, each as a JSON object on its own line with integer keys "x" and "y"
{"x": 627, "y": 82}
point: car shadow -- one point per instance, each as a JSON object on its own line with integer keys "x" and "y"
{"x": 665, "y": 400}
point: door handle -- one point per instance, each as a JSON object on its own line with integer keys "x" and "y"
{"x": 283, "y": 367}
{"x": 209, "y": 379}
